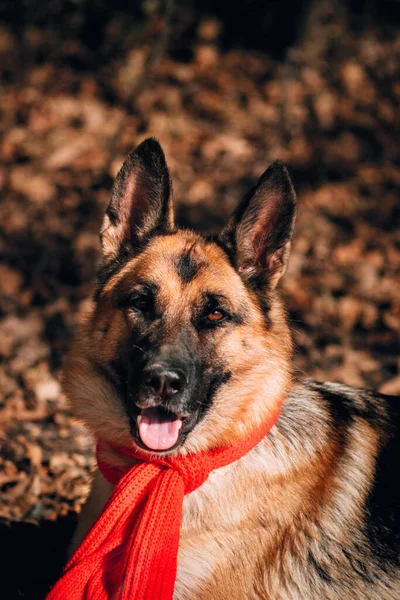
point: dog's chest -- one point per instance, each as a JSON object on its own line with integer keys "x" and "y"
{"x": 219, "y": 533}
{"x": 202, "y": 551}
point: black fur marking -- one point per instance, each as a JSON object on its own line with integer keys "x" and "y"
{"x": 382, "y": 522}
{"x": 146, "y": 289}
{"x": 358, "y": 566}
{"x": 347, "y": 402}
{"x": 187, "y": 268}
{"x": 227, "y": 249}
{"x": 383, "y": 502}
{"x": 321, "y": 572}
{"x": 220, "y": 378}
{"x": 110, "y": 268}
{"x": 338, "y": 405}
{"x": 259, "y": 285}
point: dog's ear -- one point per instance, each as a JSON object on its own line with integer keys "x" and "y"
{"x": 259, "y": 232}
{"x": 141, "y": 201}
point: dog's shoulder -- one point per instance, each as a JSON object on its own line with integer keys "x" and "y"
{"x": 346, "y": 403}
{"x": 347, "y": 407}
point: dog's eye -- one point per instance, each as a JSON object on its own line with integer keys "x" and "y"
{"x": 142, "y": 303}
{"x": 216, "y": 315}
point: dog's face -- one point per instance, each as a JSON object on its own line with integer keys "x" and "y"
{"x": 186, "y": 345}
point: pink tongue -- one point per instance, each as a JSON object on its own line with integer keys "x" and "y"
{"x": 157, "y": 431}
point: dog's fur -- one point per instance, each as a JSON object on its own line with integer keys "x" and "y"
{"x": 310, "y": 513}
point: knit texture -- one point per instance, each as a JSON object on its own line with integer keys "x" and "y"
{"x": 131, "y": 551}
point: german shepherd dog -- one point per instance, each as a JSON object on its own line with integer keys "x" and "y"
{"x": 186, "y": 347}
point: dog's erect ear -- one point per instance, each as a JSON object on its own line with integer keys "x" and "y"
{"x": 141, "y": 201}
{"x": 259, "y": 232}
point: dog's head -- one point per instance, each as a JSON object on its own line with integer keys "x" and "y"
{"x": 186, "y": 346}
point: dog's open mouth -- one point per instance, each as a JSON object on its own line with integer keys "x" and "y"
{"x": 160, "y": 430}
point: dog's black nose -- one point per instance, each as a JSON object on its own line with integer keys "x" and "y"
{"x": 164, "y": 382}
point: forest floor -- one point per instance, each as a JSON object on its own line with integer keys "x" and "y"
{"x": 330, "y": 111}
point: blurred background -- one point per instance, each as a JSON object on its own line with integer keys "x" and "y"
{"x": 227, "y": 88}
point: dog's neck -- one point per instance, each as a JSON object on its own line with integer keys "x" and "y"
{"x": 110, "y": 455}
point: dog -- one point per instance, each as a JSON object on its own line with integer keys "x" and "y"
{"x": 186, "y": 347}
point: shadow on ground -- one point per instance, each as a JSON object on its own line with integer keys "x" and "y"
{"x": 32, "y": 557}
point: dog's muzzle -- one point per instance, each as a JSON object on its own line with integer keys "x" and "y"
{"x": 161, "y": 412}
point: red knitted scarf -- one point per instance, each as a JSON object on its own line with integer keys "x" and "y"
{"x": 131, "y": 551}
